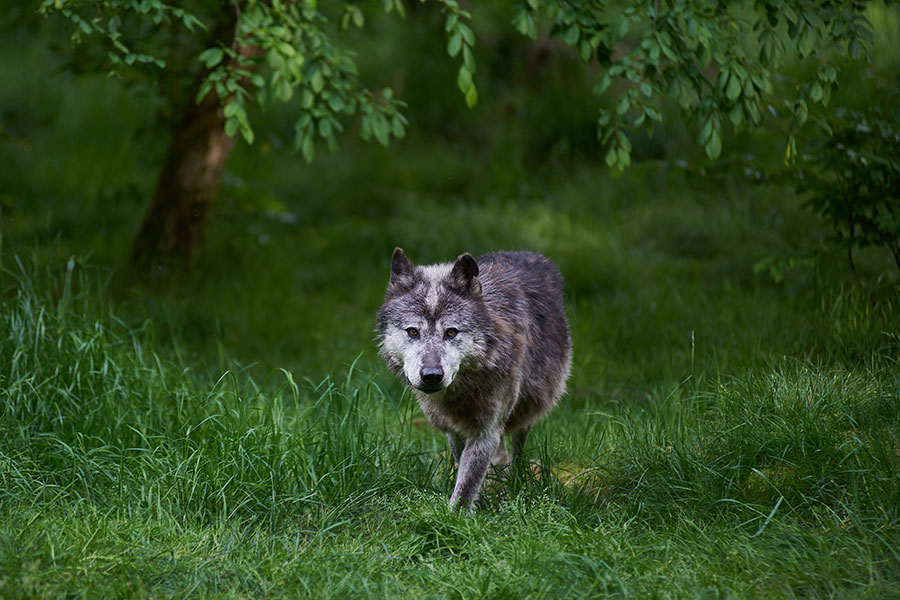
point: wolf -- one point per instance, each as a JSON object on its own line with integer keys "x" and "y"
{"x": 484, "y": 344}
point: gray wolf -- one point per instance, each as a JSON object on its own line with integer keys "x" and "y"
{"x": 484, "y": 344}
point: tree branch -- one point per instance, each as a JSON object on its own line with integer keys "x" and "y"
{"x": 237, "y": 25}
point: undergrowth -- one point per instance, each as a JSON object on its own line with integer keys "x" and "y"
{"x": 724, "y": 435}
{"x": 126, "y": 474}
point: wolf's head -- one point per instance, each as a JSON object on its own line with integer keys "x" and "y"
{"x": 433, "y": 322}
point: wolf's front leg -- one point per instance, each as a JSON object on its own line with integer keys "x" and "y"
{"x": 473, "y": 464}
{"x": 457, "y": 443}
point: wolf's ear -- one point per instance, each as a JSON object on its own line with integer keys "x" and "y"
{"x": 464, "y": 276}
{"x": 401, "y": 270}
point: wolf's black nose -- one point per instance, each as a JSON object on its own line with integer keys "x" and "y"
{"x": 431, "y": 375}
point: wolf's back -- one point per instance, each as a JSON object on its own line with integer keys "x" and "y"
{"x": 524, "y": 292}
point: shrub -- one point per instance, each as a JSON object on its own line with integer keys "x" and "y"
{"x": 854, "y": 177}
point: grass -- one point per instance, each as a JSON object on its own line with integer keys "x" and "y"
{"x": 125, "y": 476}
{"x": 235, "y": 435}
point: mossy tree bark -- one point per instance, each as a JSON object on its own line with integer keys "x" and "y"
{"x": 198, "y": 150}
{"x": 192, "y": 169}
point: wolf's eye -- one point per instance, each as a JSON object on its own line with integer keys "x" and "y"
{"x": 451, "y": 332}
{"x": 412, "y": 332}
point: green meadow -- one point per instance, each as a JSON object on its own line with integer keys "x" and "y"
{"x": 232, "y": 433}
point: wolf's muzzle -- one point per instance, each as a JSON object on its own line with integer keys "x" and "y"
{"x": 431, "y": 378}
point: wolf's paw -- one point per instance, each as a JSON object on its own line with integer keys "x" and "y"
{"x": 460, "y": 505}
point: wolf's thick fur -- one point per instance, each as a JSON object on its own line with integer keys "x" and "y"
{"x": 485, "y": 346}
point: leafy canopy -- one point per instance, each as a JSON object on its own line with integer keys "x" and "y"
{"x": 716, "y": 60}
{"x": 270, "y": 50}
{"x": 854, "y": 177}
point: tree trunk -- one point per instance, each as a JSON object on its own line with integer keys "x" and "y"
{"x": 195, "y": 159}
{"x": 189, "y": 178}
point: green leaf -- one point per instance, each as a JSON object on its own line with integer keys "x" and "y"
{"x": 826, "y": 95}
{"x": 308, "y": 148}
{"x": 828, "y": 73}
{"x": 190, "y": 21}
{"x": 611, "y": 156}
{"x": 646, "y": 89}
{"x": 452, "y": 20}
{"x": 604, "y": 118}
{"x": 713, "y": 146}
{"x": 247, "y": 133}
{"x": 815, "y": 91}
{"x": 335, "y": 103}
{"x": 525, "y": 24}
{"x": 623, "y": 140}
{"x": 205, "y": 87}
{"x": 468, "y": 59}
{"x": 790, "y": 150}
{"x": 571, "y": 34}
{"x": 307, "y": 98}
{"x": 704, "y": 55}
{"x": 283, "y": 90}
{"x": 602, "y": 85}
{"x": 706, "y": 131}
{"x": 231, "y": 126}
{"x": 800, "y": 115}
{"x": 317, "y": 81}
{"x": 585, "y": 50}
{"x": 398, "y": 129}
{"x": 733, "y": 90}
{"x": 807, "y": 41}
{"x": 467, "y": 34}
{"x": 736, "y": 114}
{"x": 455, "y": 43}
{"x": 325, "y": 128}
{"x": 471, "y": 97}
{"x": 276, "y": 61}
{"x": 464, "y": 79}
{"x": 211, "y": 57}
{"x": 685, "y": 98}
{"x": 639, "y": 121}
{"x": 381, "y": 129}
{"x": 286, "y": 49}
{"x": 755, "y": 114}
{"x": 665, "y": 44}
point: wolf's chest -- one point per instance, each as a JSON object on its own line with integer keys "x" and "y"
{"x": 465, "y": 414}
